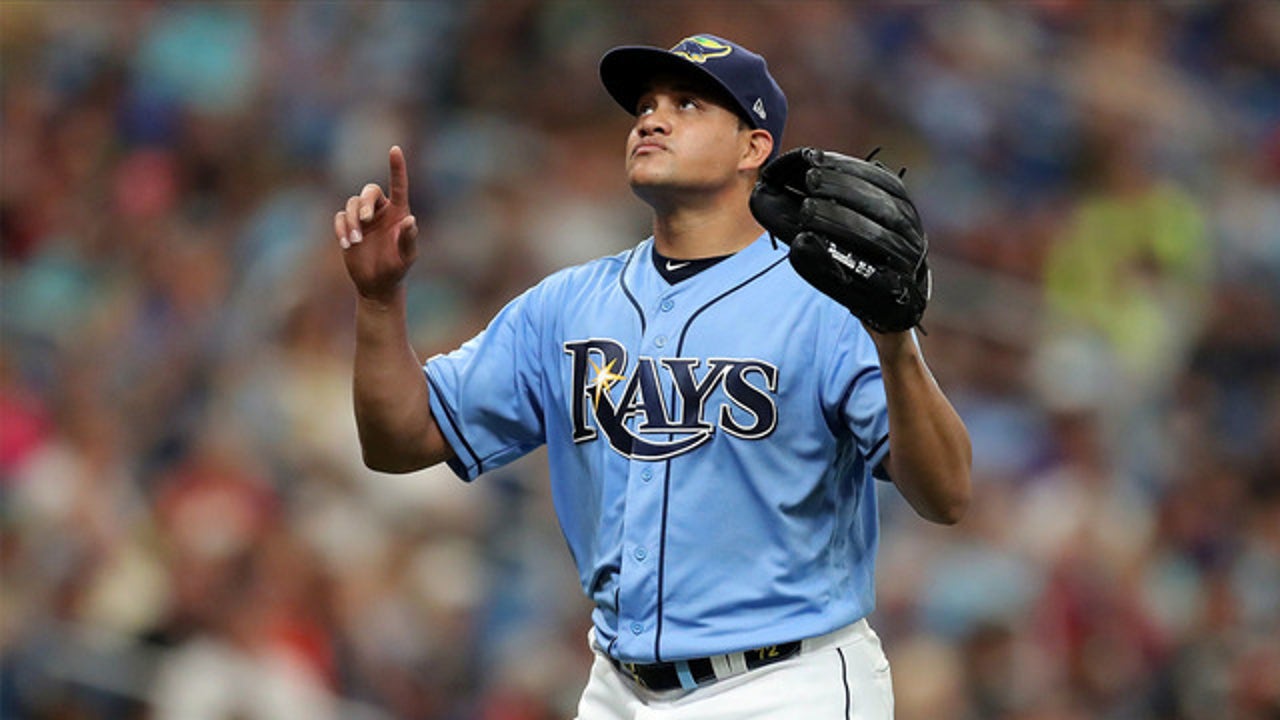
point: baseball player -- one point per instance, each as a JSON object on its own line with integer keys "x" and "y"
{"x": 716, "y": 401}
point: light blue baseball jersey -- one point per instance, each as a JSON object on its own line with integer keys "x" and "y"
{"x": 710, "y": 445}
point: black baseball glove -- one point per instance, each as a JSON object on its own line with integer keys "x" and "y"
{"x": 854, "y": 233}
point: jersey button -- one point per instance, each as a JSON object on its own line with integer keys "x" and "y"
{"x": 637, "y": 628}
{"x": 646, "y": 475}
{"x": 641, "y": 554}
{"x": 660, "y": 341}
{"x": 667, "y": 305}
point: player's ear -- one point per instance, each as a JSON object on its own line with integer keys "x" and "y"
{"x": 756, "y": 149}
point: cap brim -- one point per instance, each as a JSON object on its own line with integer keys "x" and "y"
{"x": 626, "y": 72}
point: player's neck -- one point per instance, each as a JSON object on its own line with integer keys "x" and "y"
{"x": 691, "y": 233}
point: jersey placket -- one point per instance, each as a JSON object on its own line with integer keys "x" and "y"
{"x": 640, "y": 599}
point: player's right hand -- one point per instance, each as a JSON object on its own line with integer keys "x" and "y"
{"x": 378, "y": 235}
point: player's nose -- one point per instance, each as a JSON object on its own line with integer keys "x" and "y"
{"x": 653, "y": 121}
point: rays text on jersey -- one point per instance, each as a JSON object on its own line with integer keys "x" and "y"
{"x": 641, "y": 423}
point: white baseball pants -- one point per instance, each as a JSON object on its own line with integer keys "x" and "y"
{"x": 842, "y": 675}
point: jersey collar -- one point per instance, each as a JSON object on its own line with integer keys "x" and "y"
{"x": 708, "y": 284}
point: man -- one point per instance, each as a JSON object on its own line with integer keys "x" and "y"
{"x": 712, "y": 420}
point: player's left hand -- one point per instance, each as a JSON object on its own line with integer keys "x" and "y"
{"x": 854, "y": 233}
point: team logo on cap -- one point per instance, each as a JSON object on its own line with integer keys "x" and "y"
{"x": 700, "y": 48}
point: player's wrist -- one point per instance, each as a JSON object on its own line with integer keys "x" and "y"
{"x": 892, "y": 346}
{"x": 383, "y": 301}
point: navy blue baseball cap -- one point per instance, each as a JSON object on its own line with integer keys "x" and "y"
{"x": 744, "y": 75}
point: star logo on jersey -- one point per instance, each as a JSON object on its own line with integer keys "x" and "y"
{"x": 734, "y": 395}
{"x": 605, "y": 378}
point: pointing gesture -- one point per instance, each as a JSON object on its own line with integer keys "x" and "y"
{"x": 378, "y": 235}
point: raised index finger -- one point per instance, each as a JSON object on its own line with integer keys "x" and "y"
{"x": 399, "y": 178}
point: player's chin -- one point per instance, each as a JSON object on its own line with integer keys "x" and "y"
{"x": 645, "y": 165}
{"x": 651, "y": 187}
{"x": 641, "y": 175}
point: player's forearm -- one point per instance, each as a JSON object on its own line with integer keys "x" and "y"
{"x": 393, "y": 413}
{"x": 929, "y": 450}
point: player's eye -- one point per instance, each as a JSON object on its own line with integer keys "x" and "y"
{"x": 689, "y": 103}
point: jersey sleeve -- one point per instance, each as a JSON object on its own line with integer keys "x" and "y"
{"x": 854, "y": 392}
{"x": 486, "y": 395}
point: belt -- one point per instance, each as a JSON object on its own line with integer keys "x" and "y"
{"x": 695, "y": 673}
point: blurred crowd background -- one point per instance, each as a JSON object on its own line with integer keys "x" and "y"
{"x": 186, "y": 528}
